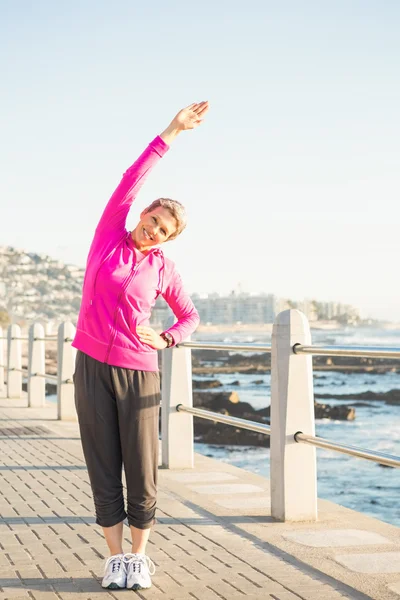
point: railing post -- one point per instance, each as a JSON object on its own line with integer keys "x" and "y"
{"x": 14, "y": 362}
{"x": 36, "y": 364}
{"x": 176, "y": 428}
{"x": 1, "y": 360}
{"x": 65, "y": 370}
{"x": 293, "y": 465}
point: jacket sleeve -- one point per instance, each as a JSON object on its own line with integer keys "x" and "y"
{"x": 117, "y": 209}
{"x": 183, "y": 308}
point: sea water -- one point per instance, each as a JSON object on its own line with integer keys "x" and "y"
{"x": 356, "y": 483}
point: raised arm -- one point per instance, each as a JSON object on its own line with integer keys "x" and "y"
{"x": 117, "y": 209}
{"x": 111, "y": 226}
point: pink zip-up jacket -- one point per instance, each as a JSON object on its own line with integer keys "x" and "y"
{"x": 119, "y": 292}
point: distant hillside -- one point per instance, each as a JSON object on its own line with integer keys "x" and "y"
{"x": 37, "y": 287}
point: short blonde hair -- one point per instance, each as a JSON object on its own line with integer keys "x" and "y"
{"x": 176, "y": 209}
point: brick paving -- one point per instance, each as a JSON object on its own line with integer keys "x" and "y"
{"x": 51, "y": 548}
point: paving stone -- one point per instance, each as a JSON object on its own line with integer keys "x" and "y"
{"x": 395, "y": 587}
{"x": 336, "y": 537}
{"x": 244, "y": 504}
{"x": 226, "y": 488}
{"x": 383, "y": 562}
{"x": 189, "y": 477}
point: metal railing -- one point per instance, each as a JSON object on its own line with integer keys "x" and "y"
{"x": 36, "y": 372}
{"x": 350, "y": 351}
{"x": 379, "y": 457}
{"x": 254, "y": 348}
{"x": 227, "y": 419}
{"x": 299, "y": 437}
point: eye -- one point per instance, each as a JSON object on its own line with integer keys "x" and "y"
{"x": 163, "y": 232}
{"x": 154, "y": 219}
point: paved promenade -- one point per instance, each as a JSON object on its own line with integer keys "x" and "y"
{"x": 214, "y": 539}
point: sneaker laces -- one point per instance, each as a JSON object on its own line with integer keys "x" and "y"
{"x": 116, "y": 562}
{"x": 138, "y": 560}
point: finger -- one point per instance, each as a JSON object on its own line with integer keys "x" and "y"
{"x": 190, "y": 107}
{"x": 201, "y": 107}
{"x": 145, "y": 340}
{"x": 203, "y": 110}
{"x": 144, "y": 333}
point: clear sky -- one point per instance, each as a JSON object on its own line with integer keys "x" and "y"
{"x": 292, "y": 184}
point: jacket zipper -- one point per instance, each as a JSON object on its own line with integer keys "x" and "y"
{"x": 123, "y": 288}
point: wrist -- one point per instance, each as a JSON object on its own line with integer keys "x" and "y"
{"x": 170, "y": 133}
{"x": 168, "y": 339}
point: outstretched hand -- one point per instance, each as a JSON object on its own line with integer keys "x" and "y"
{"x": 191, "y": 116}
{"x": 187, "y": 118}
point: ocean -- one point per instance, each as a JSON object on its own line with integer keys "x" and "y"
{"x": 355, "y": 483}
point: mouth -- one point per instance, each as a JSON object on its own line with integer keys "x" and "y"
{"x": 147, "y": 235}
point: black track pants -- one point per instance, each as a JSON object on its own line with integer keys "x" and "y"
{"x": 118, "y": 419}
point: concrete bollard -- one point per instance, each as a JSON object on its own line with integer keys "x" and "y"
{"x": 176, "y": 428}
{"x": 1, "y": 360}
{"x": 14, "y": 362}
{"x": 65, "y": 369}
{"x": 36, "y": 365}
{"x": 293, "y": 465}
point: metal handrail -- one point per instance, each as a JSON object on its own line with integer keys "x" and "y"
{"x": 379, "y": 457}
{"x": 372, "y": 455}
{"x": 223, "y": 346}
{"x": 227, "y": 419}
{"x": 45, "y": 375}
{"x": 47, "y": 338}
{"x": 355, "y": 351}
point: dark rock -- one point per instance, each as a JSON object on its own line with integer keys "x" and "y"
{"x": 202, "y": 384}
{"x": 326, "y": 411}
{"x": 337, "y": 413}
{"x": 220, "y": 434}
{"x": 228, "y": 403}
{"x": 391, "y": 397}
{"x": 215, "y": 400}
{"x": 258, "y": 382}
{"x": 236, "y": 382}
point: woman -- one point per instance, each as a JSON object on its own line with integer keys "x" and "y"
{"x": 117, "y": 384}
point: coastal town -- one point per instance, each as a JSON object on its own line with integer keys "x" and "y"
{"x": 36, "y": 287}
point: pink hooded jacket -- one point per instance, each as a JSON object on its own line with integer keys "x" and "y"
{"x": 119, "y": 292}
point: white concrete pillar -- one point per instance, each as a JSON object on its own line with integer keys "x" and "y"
{"x": 14, "y": 362}
{"x": 65, "y": 370}
{"x": 36, "y": 364}
{"x": 293, "y": 465}
{"x": 1, "y": 360}
{"x": 176, "y": 428}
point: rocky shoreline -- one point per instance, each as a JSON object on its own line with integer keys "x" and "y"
{"x": 228, "y": 403}
{"x": 221, "y": 361}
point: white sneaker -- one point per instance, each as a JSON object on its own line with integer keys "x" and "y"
{"x": 139, "y": 567}
{"x": 114, "y": 573}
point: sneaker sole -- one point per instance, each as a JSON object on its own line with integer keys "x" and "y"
{"x": 136, "y": 587}
{"x": 113, "y": 586}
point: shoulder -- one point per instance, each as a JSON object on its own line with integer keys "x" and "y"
{"x": 172, "y": 278}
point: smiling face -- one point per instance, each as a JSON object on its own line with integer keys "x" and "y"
{"x": 154, "y": 228}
